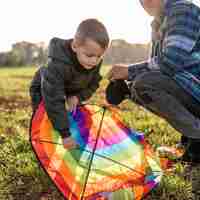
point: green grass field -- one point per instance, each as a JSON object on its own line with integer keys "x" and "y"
{"x": 20, "y": 176}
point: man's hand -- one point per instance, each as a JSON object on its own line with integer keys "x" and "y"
{"x": 118, "y": 71}
{"x": 69, "y": 143}
{"x": 73, "y": 101}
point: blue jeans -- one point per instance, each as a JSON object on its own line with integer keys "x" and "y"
{"x": 164, "y": 97}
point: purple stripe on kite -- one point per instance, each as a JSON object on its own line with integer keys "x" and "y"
{"x": 82, "y": 124}
{"x": 151, "y": 184}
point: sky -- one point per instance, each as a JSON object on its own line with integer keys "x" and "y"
{"x": 40, "y": 20}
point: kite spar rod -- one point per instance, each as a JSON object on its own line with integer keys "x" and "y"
{"x": 96, "y": 154}
{"x": 93, "y": 152}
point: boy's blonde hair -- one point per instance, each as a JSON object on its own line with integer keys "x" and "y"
{"x": 94, "y": 30}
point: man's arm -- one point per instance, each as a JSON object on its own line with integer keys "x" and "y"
{"x": 182, "y": 33}
{"x": 137, "y": 68}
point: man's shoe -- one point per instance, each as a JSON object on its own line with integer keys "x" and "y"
{"x": 189, "y": 152}
{"x": 176, "y": 152}
{"x": 172, "y": 153}
{"x": 192, "y": 152}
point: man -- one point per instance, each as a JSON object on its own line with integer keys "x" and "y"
{"x": 169, "y": 83}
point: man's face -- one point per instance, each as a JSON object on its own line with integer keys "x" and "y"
{"x": 89, "y": 54}
{"x": 152, "y": 7}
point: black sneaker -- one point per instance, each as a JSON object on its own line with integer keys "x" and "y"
{"x": 192, "y": 152}
{"x": 184, "y": 141}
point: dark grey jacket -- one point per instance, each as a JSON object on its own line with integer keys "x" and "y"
{"x": 62, "y": 78}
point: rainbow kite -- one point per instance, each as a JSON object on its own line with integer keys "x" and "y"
{"x": 112, "y": 161}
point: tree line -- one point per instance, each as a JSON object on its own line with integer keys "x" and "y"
{"x": 29, "y": 54}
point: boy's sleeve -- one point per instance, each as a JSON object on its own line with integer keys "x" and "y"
{"x": 92, "y": 87}
{"x": 182, "y": 33}
{"x": 35, "y": 90}
{"x": 53, "y": 92}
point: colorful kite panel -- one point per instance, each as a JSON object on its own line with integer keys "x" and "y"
{"x": 112, "y": 162}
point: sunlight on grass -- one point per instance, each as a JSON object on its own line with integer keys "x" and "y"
{"x": 20, "y": 175}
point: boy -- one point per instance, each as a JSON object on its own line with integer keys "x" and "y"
{"x": 72, "y": 74}
{"x": 169, "y": 83}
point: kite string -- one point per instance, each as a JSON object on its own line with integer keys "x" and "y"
{"x": 93, "y": 152}
{"x": 96, "y": 154}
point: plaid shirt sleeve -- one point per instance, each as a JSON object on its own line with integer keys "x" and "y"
{"x": 138, "y": 68}
{"x": 181, "y": 34}
{"x": 135, "y": 69}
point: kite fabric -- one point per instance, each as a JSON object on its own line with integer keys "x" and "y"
{"x": 112, "y": 161}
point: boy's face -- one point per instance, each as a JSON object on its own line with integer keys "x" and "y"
{"x": 89, "y": 54}
{"x": 152, "y": 7}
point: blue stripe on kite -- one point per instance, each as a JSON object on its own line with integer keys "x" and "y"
{"x": 116, "y": 149}
{"x": 75, "y": 131}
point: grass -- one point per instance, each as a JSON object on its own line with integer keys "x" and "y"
{"x": 20, "y": 176}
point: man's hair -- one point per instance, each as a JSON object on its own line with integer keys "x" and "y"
{"x": 94, "y": 30}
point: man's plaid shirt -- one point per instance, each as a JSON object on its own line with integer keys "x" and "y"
{"x": 177, "y": 52}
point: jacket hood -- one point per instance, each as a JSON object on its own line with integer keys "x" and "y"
{"x": 59, "y": 50}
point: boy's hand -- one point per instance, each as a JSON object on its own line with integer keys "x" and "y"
{"x": 69, "y": 143}
{"x": 118, "y": 71}
{"x": 73, "y": 101}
